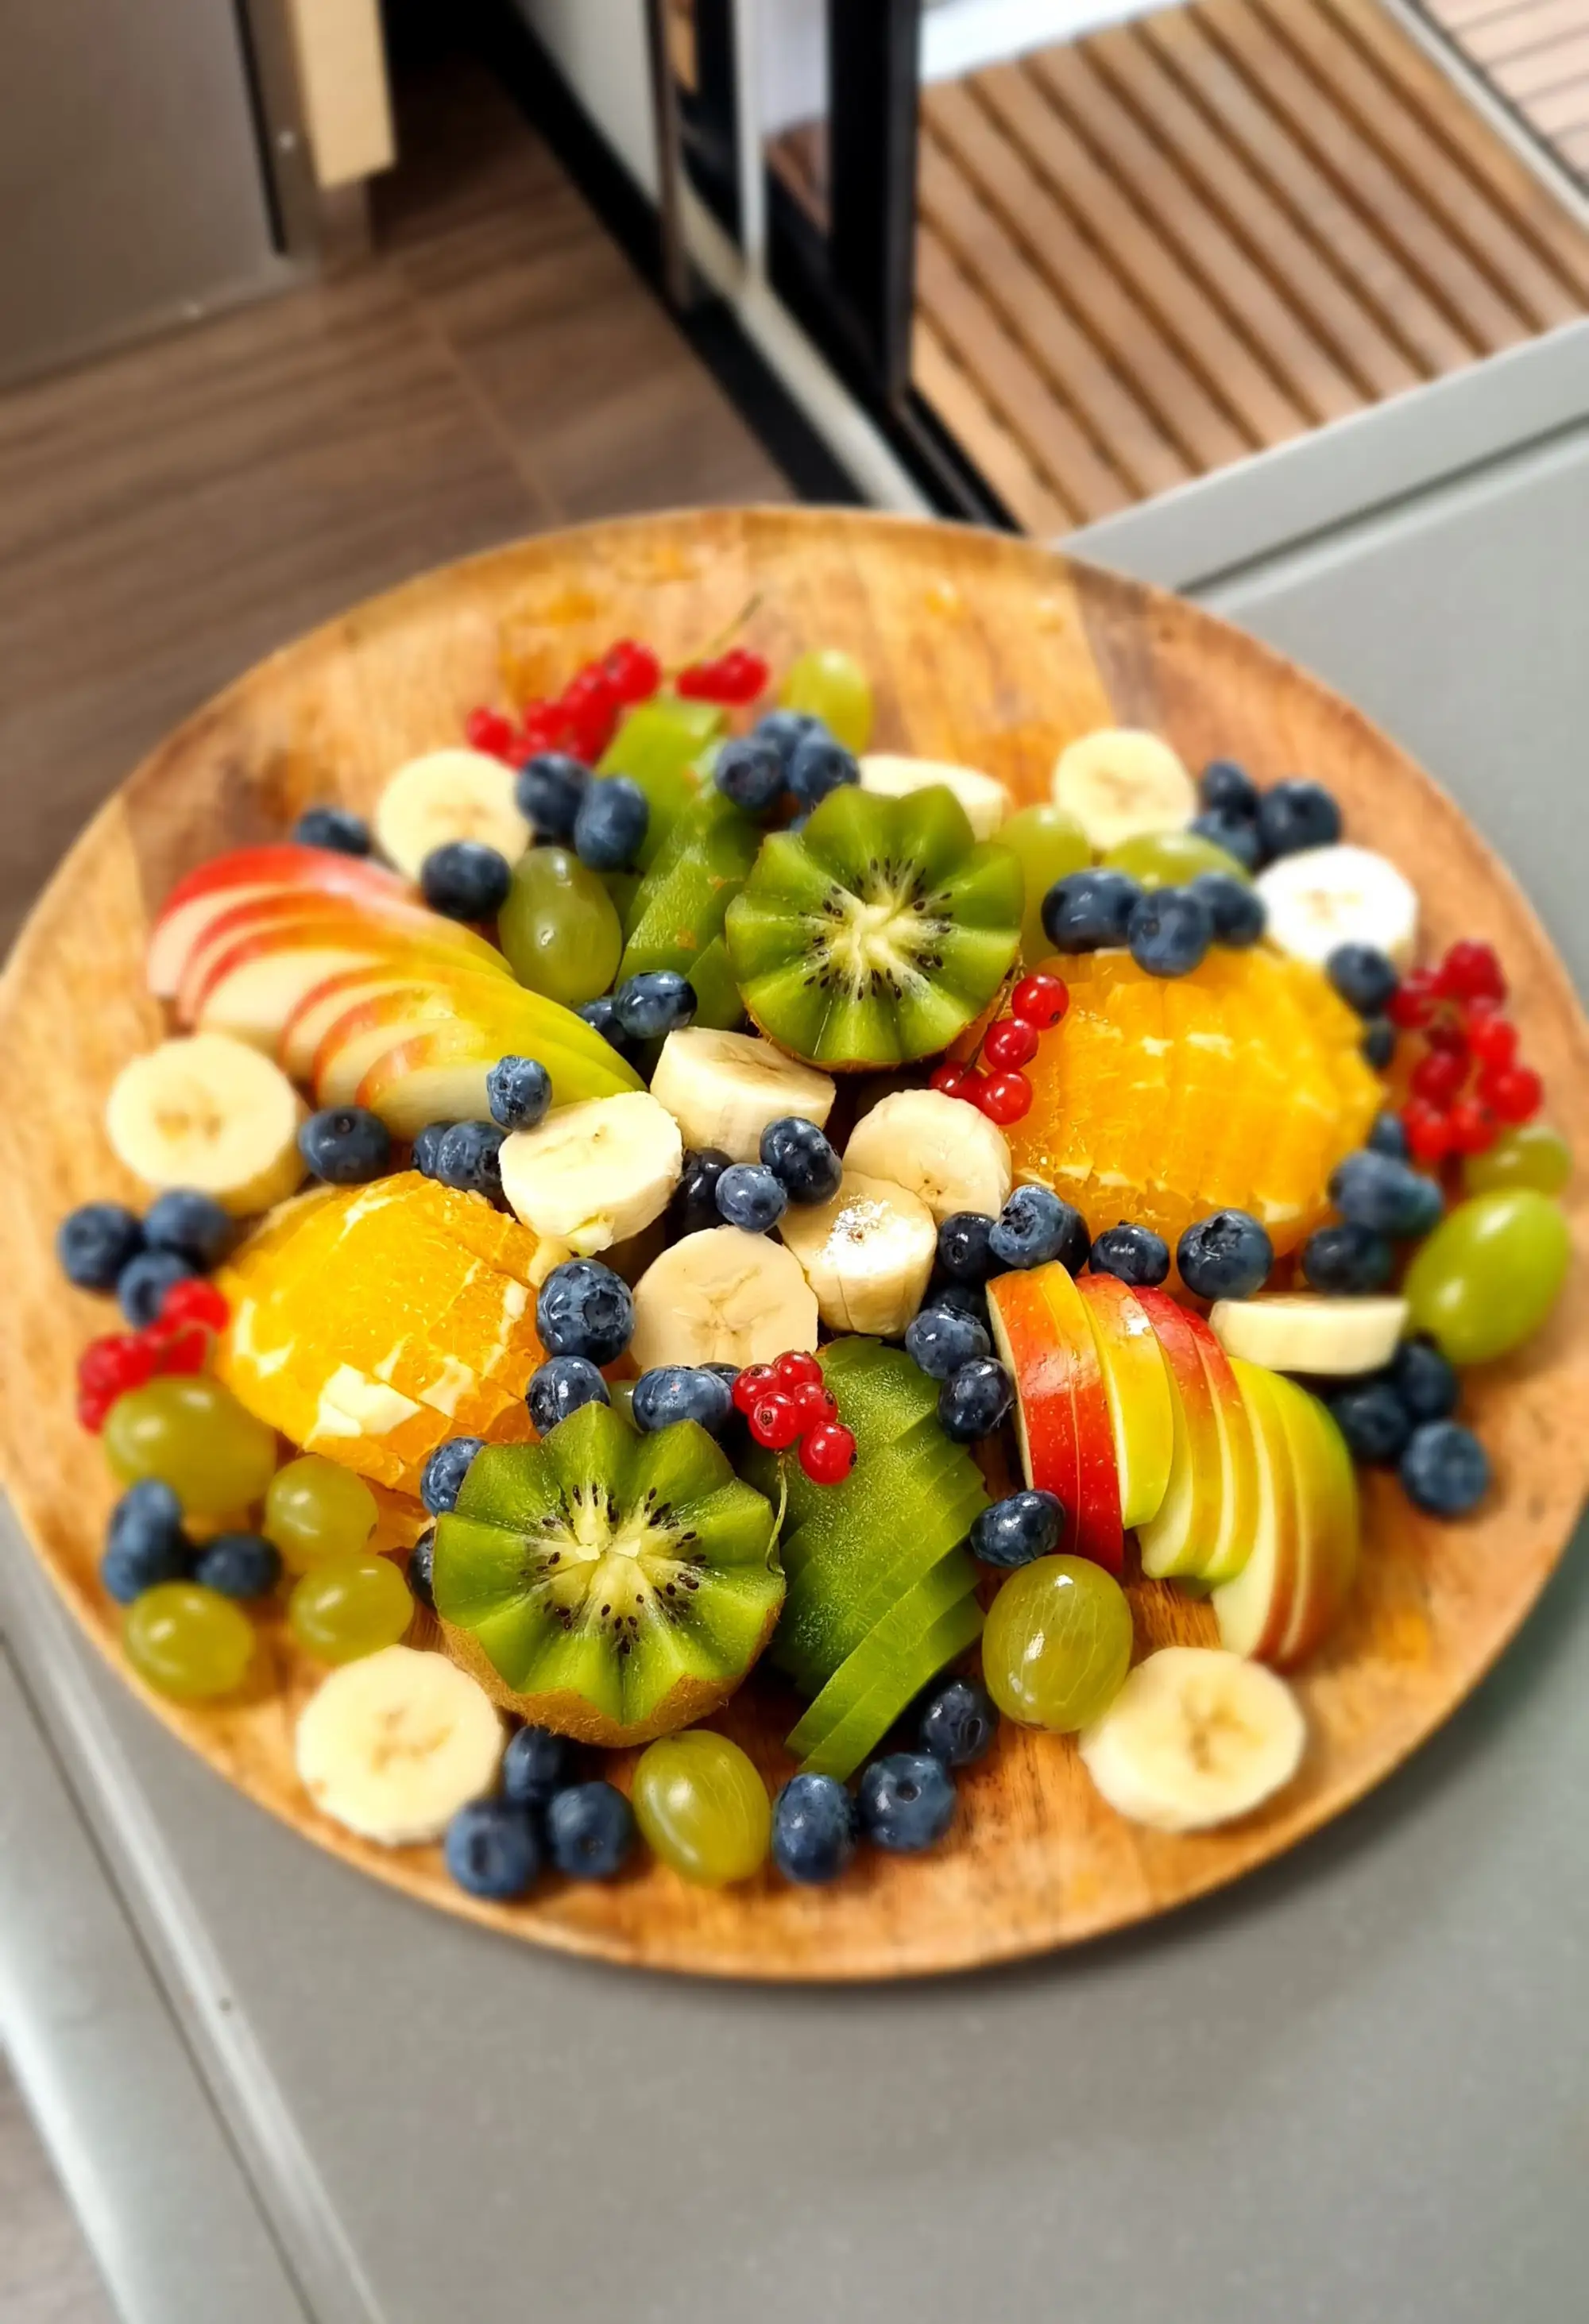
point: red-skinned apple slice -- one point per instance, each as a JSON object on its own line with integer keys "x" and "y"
{"x": 1327, "y": 1486}
{"x": 245, "y": 872}
{"x": 1238, "y": 1465}
{"x": 1137, "y": 1390}
{"x": 326, "y": 1004}
{"x": 1029, "y": 1348}
{"x": 1094, "y": 1529}
{"x": 1254, "y": 1608}
{"x": 264, "y": 977}
{"x": 439, "y": 1074}
{"x": 1184, "y": 1532}
{"x": 281, "y": 919}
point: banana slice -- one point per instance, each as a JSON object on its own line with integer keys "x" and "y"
{"x": 986, "y": 800}
{"x": 723, "y": 1089}
{"x": 721, "y": 1297}
{"x": 393, "y": 1745}
{"x": 593, "y": 1175}
{"x": 939, "y": 1147}
{"x": 866, "y": 1254}
{"x": 210, "y": 1113}
{"x": 1195, "y": 1737}
{"x": 449, "y": 795}
{"x": 1309, "y": 1332}
{"x": 1330, "y": 896}
{"x": 1121, "y": 781}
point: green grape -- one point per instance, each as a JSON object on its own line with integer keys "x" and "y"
{"x": 560, "y": 928}
{"x": 188, "y": 1642}
{"x": 1489, "y": 1275}
{"x": 1168, "y": 859}
{"x": 194, "y": 1436}
{"x": 1529, "y": 1156}
{"x": 1047, "y": 843}
{"x": 702, "y": 1808}
{"x": 349, "y": 1606}
{"x": 1058, "y": 1644}
{"x": 317, "y": 1509}
{"x": 831, "y": 685}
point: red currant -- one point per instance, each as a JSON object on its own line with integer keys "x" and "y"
{"x": 1011, "y": 1042}
{"x": 950, "y": 1080}
{"x": 1429, "y": 1131}
{"x": 1473, "y": 1126}
{"x": 633, "y": 670}
{"x": 1437, "y": 1077}
{"x": 795, "y": 1368}
{"x": 194, "y": 1301}
{"x": 179, "y": 1348}
{"x": 110, "y": 1366}
{"x": 1446, "y": 1035}
{"x": 742, "y": 676}
{"x": 1040, "y": 1000}
{"x": 489, "y": 731}
{"x": 1005, "y": 1097}
{"x": 93, "y": 1406}
{"x": 774, "y": 1421}
{"x": 1491, "y": 1039}
{"x": 698, "y": 681}
{"x": 814, "y": 1403}
{"x": 1412, "y": 1003}
{"x": 1513, "y": 1092}
{"x": 753, "y": 1381}
{"x": 541, "y": 727}
{"x": 1470, "y": 972}
{"x": 828, "y": 1454}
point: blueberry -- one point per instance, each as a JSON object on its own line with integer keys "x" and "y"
{"x": 1228, "y": 789}
{"x": 1372, "y": 1419}
{"x": 1234, "y": 906}
{"x": 905, "y": 1802}
{"x": 465, "y": 879}
{"x": 346, "y": 1145}
{"x": 974, "y": 1400}
{"x": 602, "y": 1015}
{"x": 191, "y": 1224}
{"x": 1034, "y": 1227}
{"x": 1378, "y": 1043}
{"x": 798, "y": 1153}
{"x": 960, "y": 1300}
{"x": 492, "y": 1850}
{"x": 1236, "y": 835}
{"x": 445, "y": 1470}
{"x": 784, "y": 730}
{"x": 694, "y": 1206}
{"x": 958, "y": 1723}
{"x": 547, "y": 790}
{"x": 1375, "y": 1191}
{"x": 468, "y": 1157}
{"x": 560, "y": 1386}
{"x": 1086, "y": 909}
{"x": 337, "y": 827}
{"x": 818, "y": 765}
{"x": 814, "y": 1830}
{"x": 1444, "y": 1469}
{"x": 239, "y": 1565}
{"x": 535, "y": 1765}
{"x": 673, "y": 1392}
{"x": 589, "y": 1831}
{"x": 1347, "y": 1259}
{"x": 1135, "y": 1254}
{"x": 649, "y": 1006}
{"x": 1387, "y": 1136}
{"x": 1225, "y": 1256}
{"x": 1426, "y": 1382}
{"x": 750, "y": 1196}
{"x": 939, "y": 1341}
{"x": 518, "y": 1091}
{"x": 144, "y": 1543}
{"x": 422, "y": 1568}
{"x": 611, "y": 822}
{"x": 1015, "y": 1530}
{"x": 96, "y": 1243}
{"x": 143, "y": 1282}
{"x": 962, "y": 1252}
{"x": 750, "y": 772}
{"x": 1169, "y": 931}
{"x": 585, "y": 1309}
{"x": 1364, "y": 978}
{"x": 1296, "y": 814}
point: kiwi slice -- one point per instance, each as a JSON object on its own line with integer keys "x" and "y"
{"x": 897, "y": 1633}
{"x": 609, "y": 1585}
{"x": 834, "y": 1603}
{"x": 674, "y": 916}
{"x": 659, "y": 746}
{"x": 878, "y": 932}
{"x": 856, "y": 1736}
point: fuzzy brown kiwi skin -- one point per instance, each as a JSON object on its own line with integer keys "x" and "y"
{"x": 566, "y": 1713}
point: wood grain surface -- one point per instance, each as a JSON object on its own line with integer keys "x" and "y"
{"x": 982, "y": 649}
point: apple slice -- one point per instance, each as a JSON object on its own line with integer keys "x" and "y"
{"x": 262, "y": 979}
{"x": 279, "y": 918}
{"x": 439, "y": 1074}
{"x": 1238, "y": 1463}
{"x": 247, "y": 872}
{"x": 1181, "y": 1536}
{"x": 1254, "y": 1608}
{"x": 1326, "y": 1487}
{"x": 1061, "y": 1410}
{"x": 1137, "y": 1390}
{"x": 1094, "y": 1529}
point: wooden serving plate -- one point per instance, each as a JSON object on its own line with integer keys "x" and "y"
{"x": 982, "y": 648}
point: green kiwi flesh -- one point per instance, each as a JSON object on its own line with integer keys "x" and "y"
{"x": 886, "y": 1646}
{"x": 878, "y": 932}
{"x": 659, "y": 746}
{"x": 674, "y": 916}
{"x": 856, "y": 1736}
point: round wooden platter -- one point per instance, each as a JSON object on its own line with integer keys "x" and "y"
{"x": 982, "y": 648}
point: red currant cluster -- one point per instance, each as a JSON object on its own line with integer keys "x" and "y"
{"x": 788, "y": 1402}
{"x": 1004, "y": 1093}
{"x": 179, "y": 1341}
{"x": 734, "y": 677}
{"x": 1470, "y": 1082}
{"x": 582, "y": 719}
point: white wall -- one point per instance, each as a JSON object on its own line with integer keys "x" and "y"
{"x": 599, "y": 47}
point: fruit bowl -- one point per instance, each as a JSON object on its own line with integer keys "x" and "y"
{"x": 980, "y": 649}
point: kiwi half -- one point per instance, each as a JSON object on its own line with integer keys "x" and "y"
{"x": 878, "y": 932}
{"x": 608, "y": 1585}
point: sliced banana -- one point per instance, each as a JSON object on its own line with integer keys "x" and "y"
{"x": 1330, "y": 896}
{"x": 1309, "y": 1332}
{"x": 1119, "y": 782}
{"x": 937, "y": 1147}
{"x": 986, "y": 800}
{"x": 449, "y": 795}
{"x": 721, "y": 1297}
{"x": 393, "y": 1745}
{"x": 592, "y": 1174}
{"x": 723, "y": 1089}
{"x": 1195, "y": 1738}
{"x": 866, "y": 1254}
{"x": 210, "y": 1113}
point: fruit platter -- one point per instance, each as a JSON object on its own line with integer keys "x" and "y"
{"x": 792, "y": 1245}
